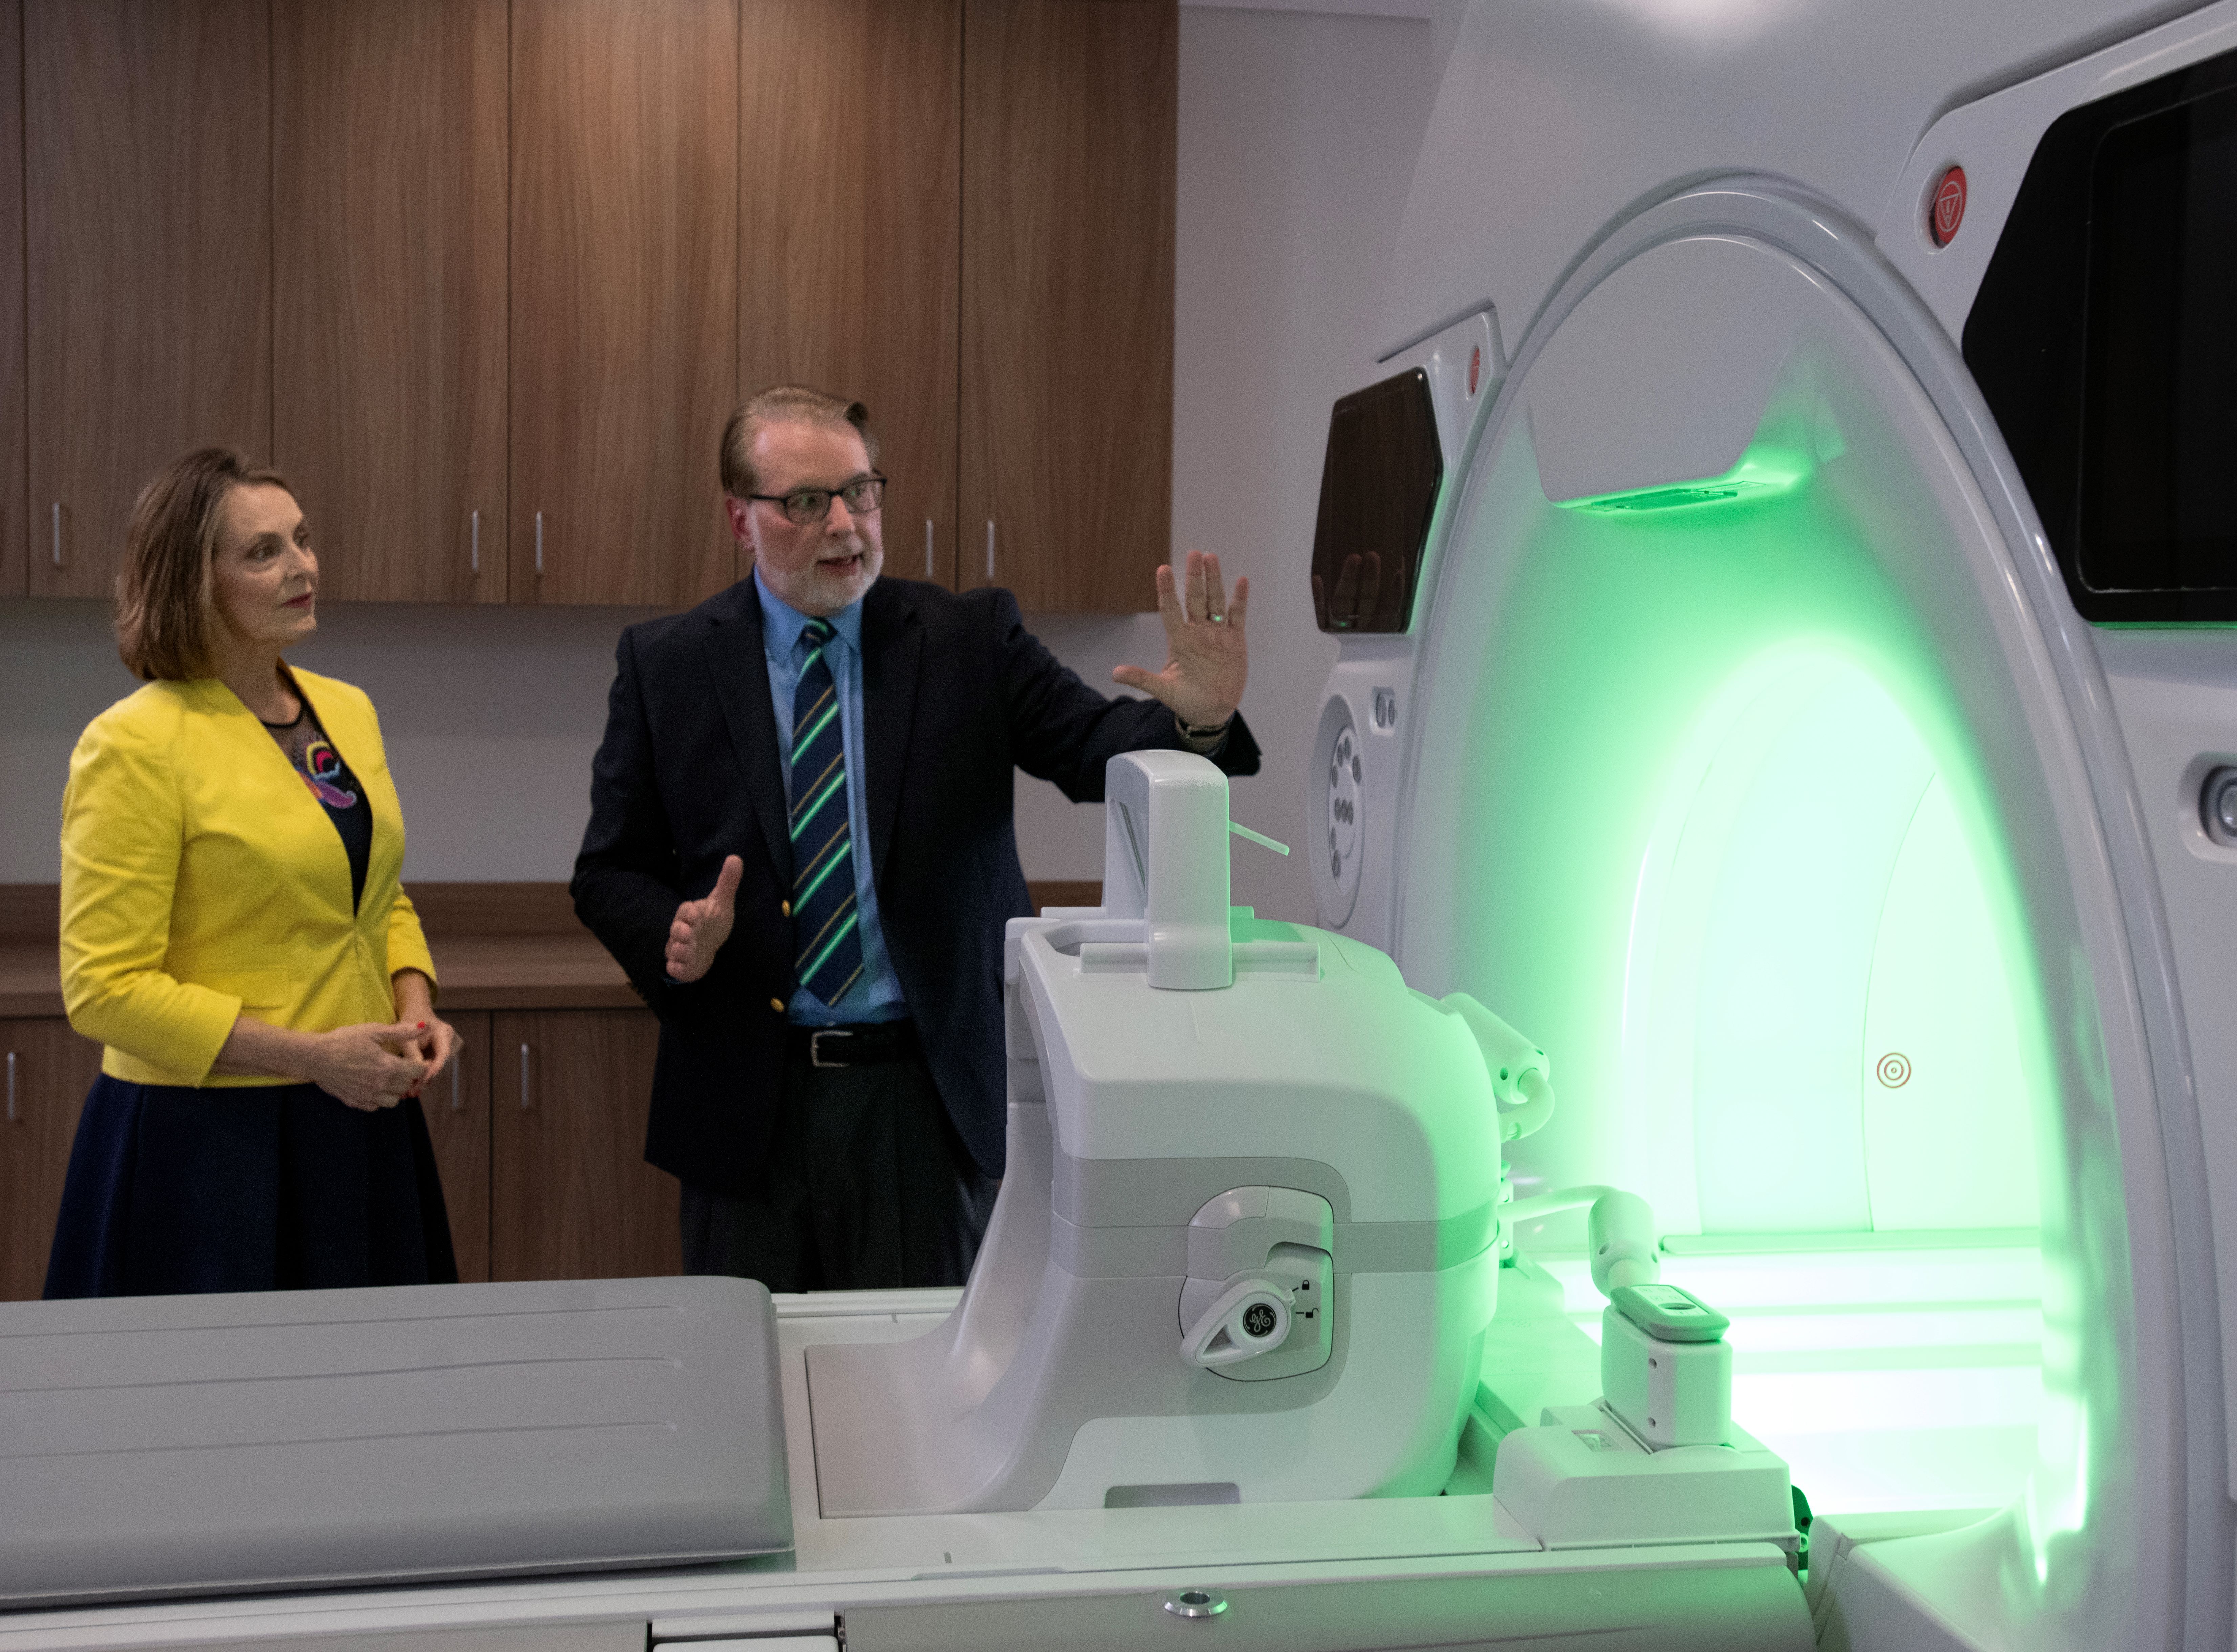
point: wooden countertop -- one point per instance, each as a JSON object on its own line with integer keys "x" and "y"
{"x": 27, "y": 982}
{"x": 497, "y": 946}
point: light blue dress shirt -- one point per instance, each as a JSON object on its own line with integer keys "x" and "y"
{"x": 876, "y": 994}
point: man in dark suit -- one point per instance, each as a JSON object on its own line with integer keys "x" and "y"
{"x": 801, "y": 851}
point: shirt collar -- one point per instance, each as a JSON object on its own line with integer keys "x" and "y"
{"x": 782, "y": 623}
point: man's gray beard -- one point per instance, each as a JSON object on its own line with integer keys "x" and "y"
{"x": 829, "y": 592}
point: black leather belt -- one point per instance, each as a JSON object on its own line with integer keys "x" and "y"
{"x": 859, "y": 1044}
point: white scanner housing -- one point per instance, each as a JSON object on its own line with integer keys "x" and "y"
{"x": 1247, "y": 1245}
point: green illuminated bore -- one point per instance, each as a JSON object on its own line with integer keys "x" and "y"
{"x": 1726, "y": 845}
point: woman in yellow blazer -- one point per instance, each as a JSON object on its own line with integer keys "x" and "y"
{"x": 234, "y": 933}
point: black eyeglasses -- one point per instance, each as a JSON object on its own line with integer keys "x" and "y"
{"x": 807, "y": 505}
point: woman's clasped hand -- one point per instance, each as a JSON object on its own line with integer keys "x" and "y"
{"x": 370, "y": 1067}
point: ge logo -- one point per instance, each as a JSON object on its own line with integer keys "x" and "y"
{"x": 1894, "y": 1070}
{"x": 1258, "y": 1321}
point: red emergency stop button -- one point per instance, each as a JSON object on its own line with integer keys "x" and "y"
{"x": 1947, "y": 209}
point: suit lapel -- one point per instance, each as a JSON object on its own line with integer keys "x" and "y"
{"x": 892, "y": 646}
{"x": 733, "y": 654}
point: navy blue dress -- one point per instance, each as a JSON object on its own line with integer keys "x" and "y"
{"x": 276, "y": 1187}
{"x": 269, "y": 1187}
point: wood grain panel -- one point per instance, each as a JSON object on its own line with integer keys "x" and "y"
{"x": 479, "y": 972}
{"x": 30, "y": 983}
{"x": 1067, "y": 319}
{"x": 14, "y": 432}
{"x": 1065, "y": 892}
{"x": 533, "y": 972}
{"x": 49, "y": 1070}
{"x": 458, "y": 1110}
{"x": 850, "y": 163}
{"x": 149, "y": 220}
{"x": 389, "y": 134}
{"x": 624, "y": 296}
{"x": 30, "y": 913}
{"x": 571, "y": 1197}
{"x": 497, "y": 946}
{"x": 479, "y": 910}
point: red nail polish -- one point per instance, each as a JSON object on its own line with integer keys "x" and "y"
{"x": 423, "y": 1026}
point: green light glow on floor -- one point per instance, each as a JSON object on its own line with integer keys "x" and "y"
{"x": 1887, "y": 1382}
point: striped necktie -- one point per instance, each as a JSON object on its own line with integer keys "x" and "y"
{"x": 829, "y": 958}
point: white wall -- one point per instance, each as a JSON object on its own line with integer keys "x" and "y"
{"x": 1298, "y": 132}
{"x": 58, "y": 669}
{"x": 490, "y": 714}
{"x": 1298, "y": 137}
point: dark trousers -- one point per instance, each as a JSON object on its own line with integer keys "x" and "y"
{"x": 866, "y": 1186}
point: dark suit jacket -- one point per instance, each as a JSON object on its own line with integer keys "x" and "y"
{"x": 956, "y": 692}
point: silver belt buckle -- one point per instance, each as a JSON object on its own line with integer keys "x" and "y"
{"x": 816, "y": 1045}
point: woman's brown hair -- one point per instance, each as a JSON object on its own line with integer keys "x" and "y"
{"x": 167, "y": 618}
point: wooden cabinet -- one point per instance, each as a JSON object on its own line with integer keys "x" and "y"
{"x": 457, "y": 1109}
{"x": 624, "y": 259}
{"x": 48, "y": 1071}
{"x": 557, "y": 1188}
{"x": 849, "y": 178}
{"x": 572, "y": 1196}
{"x": 1067, "y": 300}
{"x": 485, "y": 277}
{"x": 389, "y": 180}
{"x": 148, "y": 204}
{"x": 14, "y": 502}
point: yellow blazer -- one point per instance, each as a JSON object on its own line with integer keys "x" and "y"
{"x": 203, "y": 881}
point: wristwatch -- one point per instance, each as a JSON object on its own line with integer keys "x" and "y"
{"x": 1203, "y": 734}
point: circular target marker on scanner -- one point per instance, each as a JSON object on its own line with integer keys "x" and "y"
{"x": 1894, "y": 1070}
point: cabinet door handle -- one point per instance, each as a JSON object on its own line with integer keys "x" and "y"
{"x": 476, "y": 552}
{"x": 11, "y": 1087}
{"x": 58, "y": 533}
{"x": 990, "y": 552}
{"x": 458, "y": 1100}
{"x": 523, "y": 1078}
{"x": 927, "y": 547}
{"x": 539, "y": 545}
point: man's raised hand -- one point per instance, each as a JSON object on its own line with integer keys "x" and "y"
{"x": 703, "y": 925}
{"x": 1206, "y": 656}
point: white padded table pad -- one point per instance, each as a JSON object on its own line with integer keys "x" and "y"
{"x": 163, "y": 1445}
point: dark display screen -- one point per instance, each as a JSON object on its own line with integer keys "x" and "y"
{"x": 2104, "y": 337}
{"x": 1378, "y": 490}
{"x": 2159, "y": 426}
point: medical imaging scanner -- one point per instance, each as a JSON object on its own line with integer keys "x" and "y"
{"x": 1799, "y": 691}
{"x": 1770, "y": 1024}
